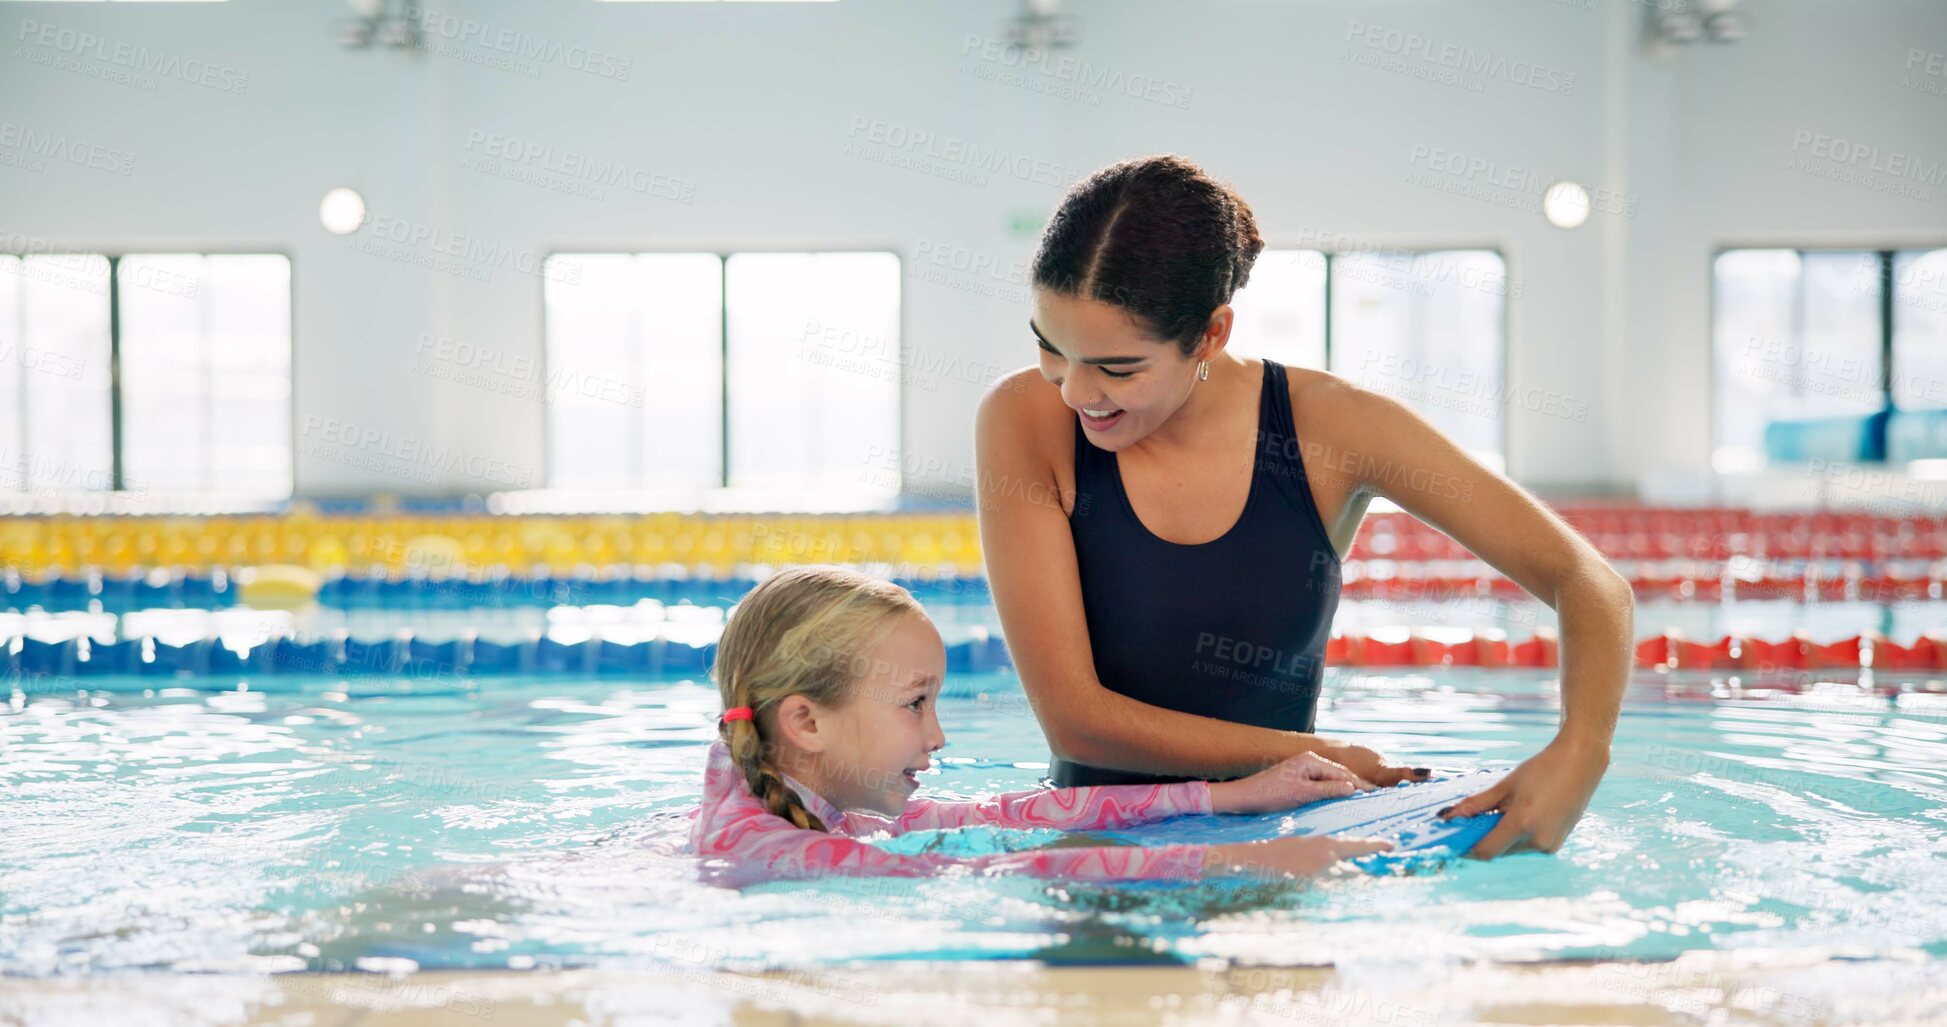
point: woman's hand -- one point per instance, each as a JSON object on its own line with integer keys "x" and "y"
{"x": 1540, "y": 800}
{"x": 1370, "y": 765}
{"x": 1306, "y": 777}
{"x": 1287, "y": 857}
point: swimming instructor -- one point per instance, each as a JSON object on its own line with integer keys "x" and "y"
{"x": 1163, "y": 520}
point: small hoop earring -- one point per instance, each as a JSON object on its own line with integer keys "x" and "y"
{"x": 1203, "y": 370}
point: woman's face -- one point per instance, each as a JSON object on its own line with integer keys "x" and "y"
{"x": 1104, "y": 363}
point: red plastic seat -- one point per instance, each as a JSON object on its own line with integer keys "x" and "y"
{"x": 1758, "y": 654}
{"x": 1704, "y": 656}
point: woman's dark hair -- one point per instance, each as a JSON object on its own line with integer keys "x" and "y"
{"x": 1155, "y": 236}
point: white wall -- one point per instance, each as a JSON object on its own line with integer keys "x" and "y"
{"x": 756, "y": 105}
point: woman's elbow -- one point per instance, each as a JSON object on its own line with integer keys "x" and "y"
{"x": 1074, "y": 739}
{"x": 1622, "y": 594}
{"x": 1077, "y": 716}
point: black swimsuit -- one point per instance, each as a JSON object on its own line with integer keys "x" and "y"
{"x": 1233, "y": 628}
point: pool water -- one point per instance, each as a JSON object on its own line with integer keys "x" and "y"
{"x": 307, "y": 823}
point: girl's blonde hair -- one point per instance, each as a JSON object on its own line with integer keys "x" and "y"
{"x": 804, "y": 631}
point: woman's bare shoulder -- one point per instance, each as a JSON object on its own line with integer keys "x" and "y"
{"x": 1318, "y": 400}
{"x": 1025, "y": 409}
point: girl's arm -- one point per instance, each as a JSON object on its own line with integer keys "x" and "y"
{"x": 1067, "y": 809}
{"x": 1304, "y": 778}
{"x": 754, "y": 850}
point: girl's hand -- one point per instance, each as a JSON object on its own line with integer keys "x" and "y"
{"x": 1306, "y": 777}
{"x": 1287, "y": 857}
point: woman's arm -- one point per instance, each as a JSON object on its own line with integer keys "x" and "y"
{"x": 1036, "y": 583}
{"x": 1401, "y": 456}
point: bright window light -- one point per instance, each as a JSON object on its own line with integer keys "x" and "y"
{"x": 206, "y": 372}
{"x": 54, "y": 385}
{"x": 815, "y": 366}
{"x": 634, "y": 371}
{"x": 1281, "y": 313}
{"x": 1429, "y": 329}
{"x": 1795, "y": 337}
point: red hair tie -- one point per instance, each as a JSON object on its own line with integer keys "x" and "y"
{"x": 734, "y": 713}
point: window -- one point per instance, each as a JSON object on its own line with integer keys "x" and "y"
{"x": 54, "y": 374}
{"x": 634, "y": 361}
{"x": 206, "y": 372}
{"x": 1920, "y": 329}
{"x": 195, "y": 369}
{"x": 1803, "y": 336}
{"x": 777, "y": 372}
{"x": 1427, "y": 328}
{"x": 1280, "y": 312}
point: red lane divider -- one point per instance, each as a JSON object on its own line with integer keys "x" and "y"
{"x": 1628, "y": 532}
{"x": 1872, "y": 588}
{"x": 1668, "y": 651}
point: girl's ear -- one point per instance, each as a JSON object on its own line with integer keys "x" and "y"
{"x": 797, "y": 722}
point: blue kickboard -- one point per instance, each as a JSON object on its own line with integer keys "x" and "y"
{"x": 1406, "y": 815}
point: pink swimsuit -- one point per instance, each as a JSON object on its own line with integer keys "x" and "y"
{"x": 732, "y": 825}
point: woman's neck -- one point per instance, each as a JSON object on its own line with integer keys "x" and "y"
{"x": 1199, "y": 422}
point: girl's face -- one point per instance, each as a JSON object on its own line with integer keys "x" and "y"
{"x": 1105, "y": 364}
{"x": 869, "y": 751}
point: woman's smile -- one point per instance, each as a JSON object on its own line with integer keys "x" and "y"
{"x": 1096, "y": 420}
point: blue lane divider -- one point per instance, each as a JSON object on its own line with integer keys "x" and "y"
{"x": 116, "y": 593}
{"x": 400, "y": 655}
{"x": 216, "y": 591}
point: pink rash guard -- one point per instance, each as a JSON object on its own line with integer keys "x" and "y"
{"x": 732, "y": 825}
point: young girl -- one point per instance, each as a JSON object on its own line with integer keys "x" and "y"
{"x": 829, "y": 679}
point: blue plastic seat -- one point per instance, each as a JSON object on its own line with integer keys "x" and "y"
{"x": 680, "y": 658}
{"x": 498, "y": 657}
{"x": 38, "y": 657}
{"x": 157, "y": 595}
{"x": 118, "y": 592}
{"x": 399, "y": 593}
{"x": 290, "y": 656}
{"x": 225, "y": 661}
{"x": 121, "y": 656}
{"x": 555, "y": 657}
{"x": 435, "y": 657}
{"x": 171, "y": 660}
{"x": 376, "y": 656}
{"x": 198, "y": 592}
{"x": 65, "y": 593}
{"x": 21, "y": 594}
{"x": 618, "y": 658}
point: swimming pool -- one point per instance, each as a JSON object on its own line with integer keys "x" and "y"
{"x": 310, "y": 823}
